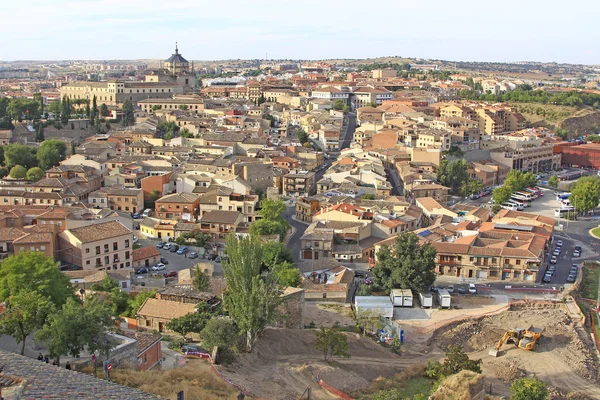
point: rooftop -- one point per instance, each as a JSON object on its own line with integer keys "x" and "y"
{"x": 100, "y": 231}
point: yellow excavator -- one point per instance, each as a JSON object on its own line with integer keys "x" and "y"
{"x": 525, "y": 339}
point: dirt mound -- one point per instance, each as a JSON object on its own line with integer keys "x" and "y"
{"x": 465, "y": 385}
{"x": 508, "y": 370}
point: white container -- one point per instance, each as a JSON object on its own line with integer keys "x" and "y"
{"x": 407, "y": 298}
{"x": 397, "y": 296}
{"x": 444, "y": 298}
{"x": 426, "y": 300}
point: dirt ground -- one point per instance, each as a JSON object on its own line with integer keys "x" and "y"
{"x": 561, "y": 358}
{"x": 326, "y": 315}
{"x": 284, "y": 362}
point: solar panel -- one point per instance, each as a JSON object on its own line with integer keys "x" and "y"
{"x": 425, "y": 233}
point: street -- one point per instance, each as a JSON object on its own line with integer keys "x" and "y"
{"x": 350, "y": 127}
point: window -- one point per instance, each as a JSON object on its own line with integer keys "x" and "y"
{"x": 87, "y": 262}
{"x": 127, "y": 243}
{"x": 127, "y": 255}
{"x": 115, "y": 246}
{"x": 518, "y": 262}
{"x": 42, "y": 248}
{"x": 124, "y": 286}
{"x": 106, "y": 259}
{"x": 98, "y": 262}
{"x": 87, "y": 251}
{"x": 97, "y": 249}
{"x": 106, "y": 248}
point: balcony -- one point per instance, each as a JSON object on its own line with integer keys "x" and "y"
{"x": 449, "y": 263}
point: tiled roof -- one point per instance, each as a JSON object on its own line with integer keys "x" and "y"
{"x": 44, "y": 381}
{"x": 145, "y": 253}
{"x": 165, "y": 309}
{"x": 10, "y": 234}
{"x": 178, "y": 198}
{"x": 101, "y": 231}
{"x": 221, "y": 217}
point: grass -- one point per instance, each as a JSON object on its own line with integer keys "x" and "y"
{"x": 196, "y": 379}
{"x": 596, "y": 231}
{"x": 408, "y": 384}
{"x": 589, "y": 281}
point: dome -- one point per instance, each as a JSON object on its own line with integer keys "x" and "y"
{"x": 176, "y": 58}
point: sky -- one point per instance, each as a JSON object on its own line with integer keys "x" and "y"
{"x": 459, "y": 30}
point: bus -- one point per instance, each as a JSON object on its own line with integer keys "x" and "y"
{"x": 537, "y": 190}
{"x": 520, "y": 206}
{"x": 563, "y": 212}
{"x": 508, "y": 206}
{"x": 522, "y": 196}
{"x": 528, "y": 195}
{"x": 534, "y": 193}
{"x": 518, "y": 201}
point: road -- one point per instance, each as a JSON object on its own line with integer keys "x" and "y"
{"x": 349, "y": 128}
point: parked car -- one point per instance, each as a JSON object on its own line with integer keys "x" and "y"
{"x": 551, "y": 269}
{"x": 171, "y": 274}
{"x": 142, "y": 270}
{"x": 174, "y": 248}
{"x": 135, "y": 239}
{"x": 160, "y": 245}
{"x": 571, "y": 278}
{"x": 167, "y": 246}
{"x": 547, "y": 278}
{"x": 559, "y": 243}
{"x": 211, "y": 257}
{"x": 164, "y": 261}
{"x": 217, "y": 259}
{"x": 360, "y": 274}
{"x": 472, "y": 288}
{"x": 182, "y": 250}
{"x": 576, "y": 253}
{"x": 136, "y": 216}
{"x": 556, "y": 252}
{"x": 450, "y": 289}
{"x": 159, "y": 267}
{"x": 553, "y": 260}
{"x": 193, "y": 254}
{"x": 461, "y": 290}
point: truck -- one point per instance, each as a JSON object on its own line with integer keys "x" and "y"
{"x": 426, "y": 300}
{"x": 444, "y": 298}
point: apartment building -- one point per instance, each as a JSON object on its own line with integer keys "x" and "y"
{"x": 105, "y": 245}
{"x": 192, "y": 103}
{"x": 331, "y": 93}
{"x": 305, "y": 208}
{"x": 366, "y": 95}
{"x": 434, "y": 138}
{"x": 118, "y": 198}
{"x": 225, "y": 199}
{"x": 220, "y": 223}
{"x": 178, "y": 206}
{"x": 298, "y": 183}
{"x": 488, "y": 172}
{"x": 529, "y": 155}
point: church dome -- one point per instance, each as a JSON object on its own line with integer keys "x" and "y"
{"x": 176, "y": 58}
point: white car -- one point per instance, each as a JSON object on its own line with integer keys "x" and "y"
{"x": 135, "y": 239}
{"x": 167, "y": 246}
{"x": 159, "y": 267}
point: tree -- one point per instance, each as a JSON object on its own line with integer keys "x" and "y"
{"x": 200, "y": 280}
{"x": 339, "y": 105}
{"x": 251, "y": 299}
{"x": 94, "y": 110}
{"x": 104, "y": 112}
{"x": 34, "y": 272}
{"x": 51, "y": 152}
{"x": 75, "y": 328}
{"x": 593, "y": 138}
{"x": 528, "y": 389}
{"x": 106, "y": 284}
{"x": 24, "y": 313}
{"x": 185, "y": 133}
{"x": 169, "y": 136}
{"x": 408, "y": 265}
{"x": 272, "y": 221}
{"x": 65, "y": 110}
{"x": 553, "y": 181}
{"x": 455, "y": 151}
{"x": 154, "y": 195}
{"x": 183, "y": 107}
{"x": 472, "y": 186}
{"x": 73, "y": 151}
{"x": 331, "y": 342}
{"x": 368, "y": 320}
{"x": 137, "y": 301}
{"x": 275, "y": 253}
{"x": 39, "y": 133}
{"x": 202, "y": 238}
{"x": 127, "y": 112}
{"x": 18, "y": 172}
{"x": 286, "y": 275}
{"x": 219, "y": 332}
{"x": 34, "y": 174}
{"x": 189, "y": 323}
{"x": 584, "y": 197}
{"x": 301, "y": 135}
{"x": 453, "y": 174}
{"x": 368, "y": 196}
{"x": 87, "y": 109}
{"x": 501, "y": 194}
{"x": 456, "y": 360}
{"x": 20, "y": 154}
{"x": 118, "y": 302}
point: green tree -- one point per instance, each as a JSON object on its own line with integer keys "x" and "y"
{"x": 501, "y": 194}
{"x": 169, "y": 136}
{"x": 275, "y": 253}
{"x": 18, "y": 172}
{"x": 453, "y": 174}
{"x": 202, "y": 238}
{"x": 73, "y": 150}
{"x": 369, "y": 320}
{"x": 185, "y": 133}
{"x": 87, "y": 109}
{"x": 51, "y": 152}
{"x": 200, "y": 280}
{"x": 286, "y": 275}
{"x": 331, "y": 342}
{"x": 34, "y": 272}
{"x": 472, "y": 186}
{"x": 104, "y": 110}
{"x": 154, "y": 195}
{"x": 20, "y": 154}
{"x": 528, "y": 389}
{"x": 24, "y": 313}
{"x": 39, "y": 133}
{"x": 368, "y": 196}
{"x": 183, "y": 107}
{"x": 34, "y": 174}
{"x": 156, "y": 107}
{"x": 251, "y": 299}
{"x": 189, "y": 323}
{"x": 301, "y": 135}
{"x": 118, "y": 302}
{"x": 553, "y": 181}
{"x": 593, "y": 138}
{"x": 339, "y": 105}
{"x": 408, "y": 265}
{"x": 272, "y": 221}
{"x": 219, "y": 332}
{"x": 127, "y": 112}
{"x": 105, "y": 285}
{"x": 75, "y": 328}
{"x": 137, "y": 301}
{"x": 456, "y": 360}
{"x": 584, "y": 197}
{"x": 94, "y": 110}
{"x": 455, "y": 151}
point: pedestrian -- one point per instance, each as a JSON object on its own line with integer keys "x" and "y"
{"x": 68, "y": 366}
{"x": 54, "y": 362}
{"x": 40, "y": 357}
{"x": 47, "y": 360}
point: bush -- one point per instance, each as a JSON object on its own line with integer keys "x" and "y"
{"x": 176, "y": 344}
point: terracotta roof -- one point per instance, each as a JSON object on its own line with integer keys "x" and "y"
{"x": 144, "y": 340}
{"x": 10, "y": 234}
{"x": 144, "y": 253}
{"x": 178, "y": 198}
{"x": 43, "y": 381}
{"x": 165, "y": 309}
{"x": 221, "y": 217}
{"x": 101, "y": 231}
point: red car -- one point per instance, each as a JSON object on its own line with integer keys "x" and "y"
{"x": 171, "y": 274}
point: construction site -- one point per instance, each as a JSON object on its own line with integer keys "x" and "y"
{"x": 527, "y": 339}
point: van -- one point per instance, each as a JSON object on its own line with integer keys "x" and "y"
{"x": 147, "y": 212}
{"x": 519, "y": 206}
{"x": 472, "y": 288}
{"x": 508, "y": 206}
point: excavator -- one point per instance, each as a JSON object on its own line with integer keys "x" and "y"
{"x": 525, "y": 339}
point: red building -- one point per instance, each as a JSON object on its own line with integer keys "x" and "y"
{"x": 585, "y": 155}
